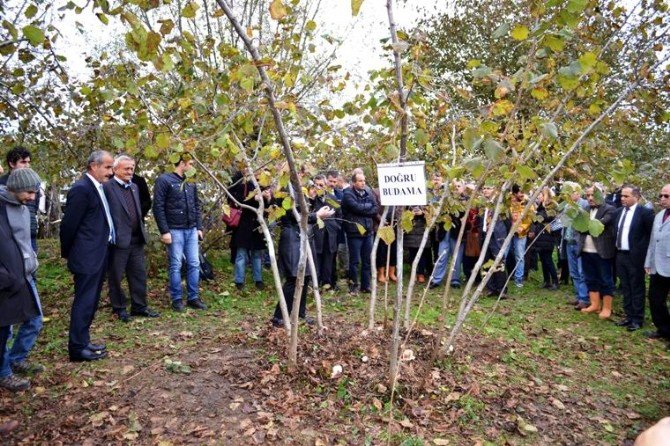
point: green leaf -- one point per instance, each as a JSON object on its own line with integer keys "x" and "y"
{"x": 501, "y": 31}
{"x": 356, "y": 7}
{"x": 595, "y": 227}
{"x": 526, "y": 173}
{"x": 34, "y": 35}
{"x": 189, "y": 10}
{"x": 549, "y": 130}
{"x": 520, "y": 32}
{"x": 387, "y": 234}
{"x": 31, "y": 11}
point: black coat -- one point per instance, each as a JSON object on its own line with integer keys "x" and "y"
{"x": 638, "y": 234}
{"x": 332, "y": 225}
{"x": 176, "y": 204}
{"x": 17, "y": 303}
{"x": 84, "y": 229}
{"x": 248, "y": 234}
{"x": 606, "y": 242}
{"x": 359, "y": 208}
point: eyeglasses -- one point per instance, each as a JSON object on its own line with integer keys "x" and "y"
{"x": 663, "y": 196}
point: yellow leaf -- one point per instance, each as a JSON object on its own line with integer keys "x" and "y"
{"x": 277, "y": 10}
{"x": 520, "y": 32}
{"x": 356, "y": 6}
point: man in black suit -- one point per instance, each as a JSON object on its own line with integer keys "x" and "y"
{"x": 127, "y": 255}
{"x": 633, "y": 229}
{"x": 86, "y": 233}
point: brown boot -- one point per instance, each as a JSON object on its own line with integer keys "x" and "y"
{"x": 381, "y": 277}
{"x": 594, "y": 298}
{"x": 607, "y": 308}
{"x": 421, "y": 278}
{"x": 392, "y": 275}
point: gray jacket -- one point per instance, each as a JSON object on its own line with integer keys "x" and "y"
{"x": 19, "y": 221}
{"x": 658, "y": 253}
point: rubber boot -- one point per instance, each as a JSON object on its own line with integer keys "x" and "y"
{"x": 392, "y": 275}
{"x": 594, "y": 298}
{"x": 421, "y": 278}
{"x": 381, "y": 277}
{"x": 607, "y": 308}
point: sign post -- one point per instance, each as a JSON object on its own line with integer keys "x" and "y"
{"x": 402, "y": 184}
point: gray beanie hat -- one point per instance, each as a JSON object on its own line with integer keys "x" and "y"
{"x": 22, "y": 180}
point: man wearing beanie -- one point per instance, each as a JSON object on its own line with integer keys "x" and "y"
{"x": 19, "y": 158}
{"x": 20, "y": 189}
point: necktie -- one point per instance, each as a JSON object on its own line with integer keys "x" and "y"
{"x": 112, "y": 234}
{"x": 619, "y": 235}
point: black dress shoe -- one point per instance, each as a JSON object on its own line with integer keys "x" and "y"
{"x": 623, "y": 323}
{"x": 634, "y": 326}
{"x": 87, "y": 355}
{"x": 123, "y": 316}
{"x": 147, "y": 312}
{"x": 96, "y": 347}
{"x": 197, "y": 304}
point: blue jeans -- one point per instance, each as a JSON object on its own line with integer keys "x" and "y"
{"x": 360, "y": 249}
{"x": 241, "y": 264}
{"x": 25, "y": 337}
{"x": 184, "y": 245}
{"x": 577, "y": 273}
{"x": 448, "y": 247}
{"x": 519, "y": 246}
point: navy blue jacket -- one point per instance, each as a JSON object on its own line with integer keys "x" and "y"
{"x": 176, "y": 204}
{"x": 358, "y": 208}
{"x": 84, "y": 230}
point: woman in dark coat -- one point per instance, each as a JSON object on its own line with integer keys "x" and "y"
{"x": 289, "y": 257}
{"x": 17, "y": 303}
{"x": 412, "y": 241}
{"x": 545, "y": 242}
{"x": 247, "y": 240}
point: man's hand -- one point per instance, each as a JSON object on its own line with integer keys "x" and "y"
{"x": 166, "y": 238}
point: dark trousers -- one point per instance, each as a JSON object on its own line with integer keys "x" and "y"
{"x": 659, "y": 287}
{"x": 325, "y": 264}
{"x": 631, "y": 278}
{"x": 548, "y": 268}
{"x": 87, "y": 289}
{"x": 496, "y": 283}
{"x": 289, "y": 291}
{"x": 360, "y": 249}
{"x": 131, "y": 262}
{"x": 598, "y": 273}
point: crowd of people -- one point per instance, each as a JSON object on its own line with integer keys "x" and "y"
{"x": 103, "y": 238}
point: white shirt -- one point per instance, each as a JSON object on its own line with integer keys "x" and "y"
{"x": 625, "y": 230}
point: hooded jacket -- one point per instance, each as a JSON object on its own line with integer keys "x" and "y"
{"x": 19, "y": 221}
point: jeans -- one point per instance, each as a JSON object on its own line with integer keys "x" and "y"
{"x": 448, "y": 246}
{"x": 184, "y": 245}
{"x": 360, "y": 249}
{"x": 577, "y": 273}
{"x": 25, "y": 338}
{"x": 256, "y": 264}
{"x": 519, "y": 246}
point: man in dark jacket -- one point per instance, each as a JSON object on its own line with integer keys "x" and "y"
{"x": 177, "y": 213}
{"x": 359, "y": 208}
{"x": 598, "y": 254}
{"x": 325, "y": 238}
{"x": 17, "y": 158}
{"x": 126, "y": 257}
{"x": 86, "y": 234}
{"x": 19, "y": 302}
{"x": 633, "y": 224}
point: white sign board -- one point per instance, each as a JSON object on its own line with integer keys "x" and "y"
{"x": 402, "y": 184}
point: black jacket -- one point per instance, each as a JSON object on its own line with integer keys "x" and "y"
{"x": 176, "y": 204}
{"x": 358, "y": 207}
{"x": 17, "y": 303}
